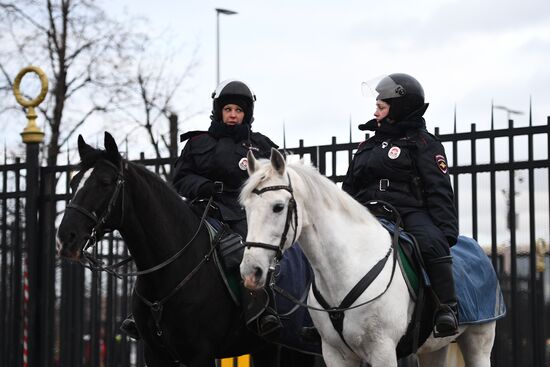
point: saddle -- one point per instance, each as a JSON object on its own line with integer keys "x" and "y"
{"x": 478, "y": 292}
{"x": 230, "y": 243}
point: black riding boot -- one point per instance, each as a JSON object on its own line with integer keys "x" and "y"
{"x": 259, "y": 316}
{"x": 440, "y": 271}
{"x": 130, "y": 328}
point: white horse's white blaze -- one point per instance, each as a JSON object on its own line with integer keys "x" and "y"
{"x": 342, "y": 241}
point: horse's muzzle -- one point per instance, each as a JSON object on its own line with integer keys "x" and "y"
{"x": 67, "y": 250}
{"x": 253, "y": 278}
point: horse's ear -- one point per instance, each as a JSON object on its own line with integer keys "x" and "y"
{"x": 252, "y": 163}
{"x": 83, "y": 147}
{"x": 277, "y": 161}
{"x": 111, "y": 147}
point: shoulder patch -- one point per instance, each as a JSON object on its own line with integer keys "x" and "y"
{"x": 441, "y": 163}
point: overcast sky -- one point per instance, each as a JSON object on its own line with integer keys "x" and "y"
{"x": 306, "y": 60}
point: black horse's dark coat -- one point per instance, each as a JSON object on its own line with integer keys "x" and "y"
{"x": 199, "y": 322}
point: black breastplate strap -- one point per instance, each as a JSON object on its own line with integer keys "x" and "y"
{"x": 337, "y": 313}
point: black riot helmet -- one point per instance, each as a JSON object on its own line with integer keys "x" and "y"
{"x": 233, "y": 92}
{"x": 403, "y": 93}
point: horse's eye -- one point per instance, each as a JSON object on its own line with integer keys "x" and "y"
{"x": 278, "y": 208}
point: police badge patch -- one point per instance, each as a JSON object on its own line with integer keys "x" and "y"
{"x": 394, "y": 152}
{"x": 441, "y": 163}
{"x": 243, "y": 164}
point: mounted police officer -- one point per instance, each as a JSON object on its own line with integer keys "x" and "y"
{"x": 406, "y": 166}
{"x": 213, "y": 164}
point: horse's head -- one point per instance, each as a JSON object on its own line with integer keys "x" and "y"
{"x": 96, "y": 203}
{"x": 272, "y": 214}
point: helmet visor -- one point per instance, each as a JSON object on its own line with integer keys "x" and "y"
{"x": 383, "y": 87}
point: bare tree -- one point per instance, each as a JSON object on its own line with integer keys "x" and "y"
{"x": 157, "y": 88}
{"x": 87, "y": 55}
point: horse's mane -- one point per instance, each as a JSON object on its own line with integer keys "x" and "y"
{"x": 316, "y": 187}
{"x": 155, "y": 181}
{"x": 161, "y": 189}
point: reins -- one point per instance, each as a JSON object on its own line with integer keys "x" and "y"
{"x": 90, "y": 261}
{"x": 167, "y": 261}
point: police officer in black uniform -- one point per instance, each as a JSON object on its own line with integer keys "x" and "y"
{"x": 406, "y": 166}
{"x": 213, "y": 162}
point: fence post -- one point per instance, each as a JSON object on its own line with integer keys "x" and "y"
{"x": 32, "y": 136}
{"x": 173, "y": 118}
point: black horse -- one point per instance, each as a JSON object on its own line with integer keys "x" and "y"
{"x": 181, "y": 304}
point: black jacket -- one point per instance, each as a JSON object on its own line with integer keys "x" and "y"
{"x": 208, "y": 158}
{"x": 406, "y": 166}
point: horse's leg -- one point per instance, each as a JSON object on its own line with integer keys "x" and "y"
{"x": 267, "y": 356}
{"x": 437, "y": 358}
{"x": 292, "y": 358}
{"x": 381, "y": 354}
{"x": 333, "y": 357}
{"x": 476, "y": 344}
{"x": 149, "y": 356}
{"x": 155, "y": 359}
{"x": 202, "y": 362}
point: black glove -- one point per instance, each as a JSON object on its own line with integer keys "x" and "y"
{"x": 452, "y": 240}
{"x": 207, "y": 189}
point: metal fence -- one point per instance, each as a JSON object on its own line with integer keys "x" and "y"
{"x": 60, "y": 314}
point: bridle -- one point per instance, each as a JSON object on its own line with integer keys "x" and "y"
{"x": 291, "y": 213}
{"x": 89, "y": 260}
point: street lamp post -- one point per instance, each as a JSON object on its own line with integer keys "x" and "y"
{"x": 226, "y": 12}
{"x": 509, "y": 111}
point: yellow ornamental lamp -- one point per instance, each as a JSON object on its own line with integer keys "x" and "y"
{"x": 31, "y": 133}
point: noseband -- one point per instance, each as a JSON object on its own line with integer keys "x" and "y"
{"x": 101, "y": 220}
{"x": 291, "y": 213}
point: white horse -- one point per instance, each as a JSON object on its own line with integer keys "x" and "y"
{"x": 342, "y": 240}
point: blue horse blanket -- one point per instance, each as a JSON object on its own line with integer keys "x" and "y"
{"x": 477, "y": 288}
{"x": 478, "y": 291}
{"x": 294, "y": 276}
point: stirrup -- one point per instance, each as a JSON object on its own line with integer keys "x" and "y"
{"x": 445, "y": 322}
{"x": 130, "y": 328}
{"x": 269, "y": 326}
